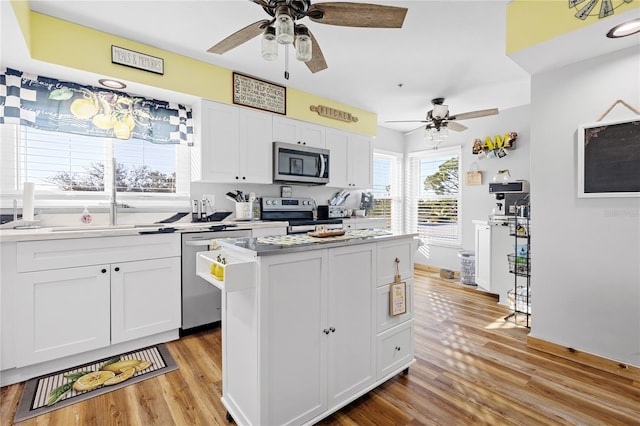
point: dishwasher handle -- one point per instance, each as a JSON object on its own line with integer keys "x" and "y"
{"x": 197, "y": 243}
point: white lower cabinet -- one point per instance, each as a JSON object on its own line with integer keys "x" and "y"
{"x": 311, "y": 334}
{"x": 320, "y": 324}
{"x": 143, "y": 298}
{"x": 395, "y": 348}
{"x": 77, "y": 295}
{"x": 63, "y": 312}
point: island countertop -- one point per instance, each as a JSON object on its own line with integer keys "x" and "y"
{"x": 266, "y": 246}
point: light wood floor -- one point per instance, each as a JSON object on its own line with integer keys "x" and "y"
{"x": 471, "y": 368}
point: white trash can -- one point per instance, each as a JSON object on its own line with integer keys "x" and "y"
{"x": 467, "y": 267}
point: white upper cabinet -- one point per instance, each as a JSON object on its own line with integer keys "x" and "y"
{"x": 256, "y": 142}
{"x": 350, "y": 159}
{"x": 298, "y": 132}
{"x": 235, "y": 145}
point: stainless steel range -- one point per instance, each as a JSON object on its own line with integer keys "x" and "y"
{"x": 298, "y": 212}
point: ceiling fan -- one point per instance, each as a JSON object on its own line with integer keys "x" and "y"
{"x": 439, "y": 118}
{"x": 285, "y": 14}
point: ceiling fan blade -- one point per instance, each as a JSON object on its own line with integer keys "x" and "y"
{"x": 317, "y": 62}
{"x": 357, "y": 15}
{"x": 474, "y": 114}
{"x": 240, "y": 37}
{"x": 414, "y": 130}
{"x": 456, "y": 127}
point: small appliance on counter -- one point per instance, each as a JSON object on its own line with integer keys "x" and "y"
{"x": 330, "y": 212}
{"x": 509, "y": 196}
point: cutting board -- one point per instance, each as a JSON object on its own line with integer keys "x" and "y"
{"x": 324, "y": 234}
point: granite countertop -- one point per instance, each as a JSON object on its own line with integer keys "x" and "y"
{"x": 265, "y": 246}
{"x": 93, "y": 231}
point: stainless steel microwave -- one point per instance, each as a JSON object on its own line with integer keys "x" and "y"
{"x": 299, "y": 164}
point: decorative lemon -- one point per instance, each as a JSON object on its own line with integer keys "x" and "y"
{"x": 128, "y": 119}
{"x": 121, "y": 130}
{"x": 117, "y": 367}
{"x": 127, "y": 373}
{"x": 143, "y": 365}
{"x": 103, "y": 121}
{"x": 83, "y": 108}
{"x": 92, "y": 380}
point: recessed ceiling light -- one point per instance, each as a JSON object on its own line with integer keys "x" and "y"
{"x": 112, "y": 84}
{"x": 625, "y": 29}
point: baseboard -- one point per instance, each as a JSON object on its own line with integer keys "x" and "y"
{"x": 621, "y": 369}
{"x": 433, "y": 269}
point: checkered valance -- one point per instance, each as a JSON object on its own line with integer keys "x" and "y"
{"x": 60, "y": 106}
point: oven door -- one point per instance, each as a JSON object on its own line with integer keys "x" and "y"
{"x": 300, "y": 164}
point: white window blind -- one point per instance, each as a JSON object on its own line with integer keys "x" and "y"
{"x": 434, "y": 196}
{"x": 63, "y": 164}
{"x": 387, "y": 188}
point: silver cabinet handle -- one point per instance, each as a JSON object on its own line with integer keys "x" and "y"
{"x": 197, "y": 243}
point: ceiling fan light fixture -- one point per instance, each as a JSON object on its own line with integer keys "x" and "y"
{"x": 303, "y": 46}
{"x": 269, "y": 44}
{"x": 284, "y": 25}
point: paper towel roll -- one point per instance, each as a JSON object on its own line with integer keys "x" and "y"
{"x": 27, "y": 201}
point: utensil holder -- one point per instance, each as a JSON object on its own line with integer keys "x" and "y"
{"x": 248, "y": 210}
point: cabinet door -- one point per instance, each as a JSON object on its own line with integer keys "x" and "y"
{"x": 483, "y": 256}
{"x": 298, "y": 132}
{"x": 145, "y": 298}
{"x": 220, "y": 138}
{"x": 351, "y": 350}
{"x": 312, "y": 135}
{"x": 62, "y": 312}
{"x": 360, "y": 162}
{"x": 256, "y": 140}
{"x": 338, "y": 145}
{"x": 294, "y": 288}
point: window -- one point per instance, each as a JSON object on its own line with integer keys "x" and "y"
{"x": 80, "y": 168}
{"x": 435, "y": 195}
{"x": 387, "y": 191}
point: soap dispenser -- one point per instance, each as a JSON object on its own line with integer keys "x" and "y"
{"x": 86, "y": 217}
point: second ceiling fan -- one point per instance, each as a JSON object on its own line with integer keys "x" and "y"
{"x": 282, "y": 27}
{"x": 439, "y": 117}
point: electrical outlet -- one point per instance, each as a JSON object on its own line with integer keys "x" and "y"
{"x": 211, "y": 198}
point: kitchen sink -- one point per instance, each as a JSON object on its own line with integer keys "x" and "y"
{"x": 92, "y": 228}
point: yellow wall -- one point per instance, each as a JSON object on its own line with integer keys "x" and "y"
{"x": 59, "y": 42}
{"x": 530, "y": 22}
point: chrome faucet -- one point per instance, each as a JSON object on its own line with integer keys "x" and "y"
{"x": 113, "y": 204}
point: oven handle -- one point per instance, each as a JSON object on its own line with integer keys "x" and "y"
{"x": 199, "y": 243}
{"x": 321, "y": 166}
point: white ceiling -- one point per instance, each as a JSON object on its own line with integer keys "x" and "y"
{"x": 452, "y": 49}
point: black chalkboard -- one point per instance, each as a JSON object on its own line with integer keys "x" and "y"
{"x": 610, "y": 162}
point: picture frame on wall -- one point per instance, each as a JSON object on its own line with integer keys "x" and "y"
{"x": 609, "y": 159}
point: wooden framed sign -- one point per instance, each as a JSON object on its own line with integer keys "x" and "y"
{"x": 254, "y": 93}
{"x": 397, "y": 298}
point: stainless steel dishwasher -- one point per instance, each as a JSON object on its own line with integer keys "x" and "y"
{"x": 201, "y": 302}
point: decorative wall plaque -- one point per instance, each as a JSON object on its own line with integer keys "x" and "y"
{"x": 254, "y": 93}
{"x": 137, "y": 60}
{"x": 335, "y": 114}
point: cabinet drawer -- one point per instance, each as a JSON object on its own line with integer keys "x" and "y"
{"x": 384, "y": 320}
{"x": 388, "y": 252}
{"x": 395, "y": 349}
{"x": 58, "y": 254}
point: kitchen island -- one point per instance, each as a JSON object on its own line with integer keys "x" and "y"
{"x": 306, "y": 322}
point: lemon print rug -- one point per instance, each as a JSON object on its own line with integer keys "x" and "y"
{"x": 63, "y": 388}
